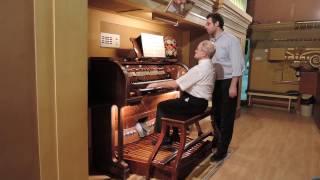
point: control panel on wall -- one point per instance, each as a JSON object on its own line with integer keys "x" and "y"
{"x": 109, "y": 40}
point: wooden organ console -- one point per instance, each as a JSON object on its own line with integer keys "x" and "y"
{"x": 122, "y": 115}
{"x": 117, "y": 148}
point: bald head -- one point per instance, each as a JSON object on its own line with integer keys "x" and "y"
{"x": 207, "y": 47}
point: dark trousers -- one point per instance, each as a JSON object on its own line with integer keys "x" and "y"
{"x": 224, "y": 111}
{"x": 186, "y": 106}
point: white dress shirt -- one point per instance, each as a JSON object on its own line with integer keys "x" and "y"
{"x": 228, "y": 60}
{"x": 199, "y": 80}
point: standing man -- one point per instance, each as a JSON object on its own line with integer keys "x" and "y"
{"x": 229, "y": 65}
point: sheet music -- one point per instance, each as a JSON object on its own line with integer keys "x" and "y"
{"x": 152, "y": 45}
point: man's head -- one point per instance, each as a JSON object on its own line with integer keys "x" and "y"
{"x": 214, "y": 23}
{"x": 205, "y": 49}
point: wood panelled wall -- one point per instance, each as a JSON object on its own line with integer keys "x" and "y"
{"x": 18, "y": 131}
{"x": 284, "y": 10}
{"x": 266, "y": 32}
{"x": 268, "y": 75}
{"x": 126, "y": 27}
{"x": 43, "y": 75}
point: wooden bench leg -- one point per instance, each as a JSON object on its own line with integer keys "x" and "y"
{"x": 183, "y": 137}
{"x": 155, "y": 150}
{"x": 249, "y": 103}
{"x": 289, "y": 106}
{"x": 198, "y": 129}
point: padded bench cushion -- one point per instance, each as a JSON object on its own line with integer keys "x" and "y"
{"x": 188, "y": 120}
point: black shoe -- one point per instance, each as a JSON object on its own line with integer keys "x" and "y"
{"x": 175, "y": 138}
{"x": 218, "y": 157}
{"x": 214, "y": 144}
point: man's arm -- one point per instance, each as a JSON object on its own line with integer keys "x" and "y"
{"x": 184, "y": 82}
{"x": 237, "y": 60}
{"x": 167, "y": 84}
{"x": 233, "y": 89}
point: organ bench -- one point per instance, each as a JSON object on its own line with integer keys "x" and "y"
{"x": 174, "y": 168}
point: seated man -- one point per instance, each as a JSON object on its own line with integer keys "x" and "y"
{"x": 197, "y": 86}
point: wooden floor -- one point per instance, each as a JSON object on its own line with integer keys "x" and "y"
{"x": 271, "y": 144}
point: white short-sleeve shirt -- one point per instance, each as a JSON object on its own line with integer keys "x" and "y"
{"x": 199, "y": 80}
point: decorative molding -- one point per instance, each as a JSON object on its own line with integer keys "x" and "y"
{"x": 272, "y": 26}
{"x": 242, "y": 4}
{"x": 198, "y": 14}
{"x": 286, "y": 26}
{"x": 235, "y": 19}
{"x": 307, "y": 25}
{"x": 303, "y": 58}
{"x": 204, "y": 4}
{"x": 286, "y": 32}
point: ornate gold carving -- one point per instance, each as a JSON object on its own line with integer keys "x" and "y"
{"x": 306, "y": 58}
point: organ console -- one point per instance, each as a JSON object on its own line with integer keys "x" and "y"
{"x": 123, "y": 83}
{"x": 122, "y": 113}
